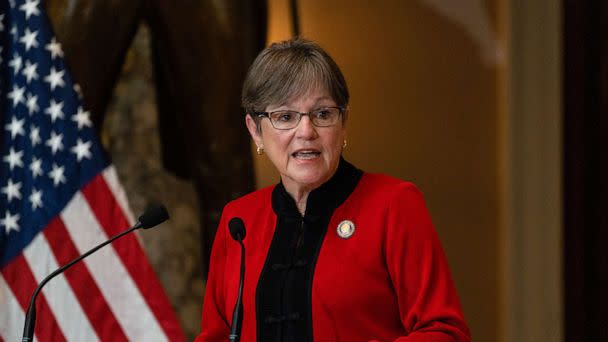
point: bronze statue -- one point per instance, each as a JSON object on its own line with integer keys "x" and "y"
{"x": 201, "y": 51}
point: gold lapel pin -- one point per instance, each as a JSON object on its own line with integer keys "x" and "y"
{"x": 345, "y": 229}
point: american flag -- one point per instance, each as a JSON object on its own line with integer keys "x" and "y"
{"x": 59, "y": 197}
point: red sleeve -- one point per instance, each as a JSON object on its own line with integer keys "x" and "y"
{"x": 428, "y": 303}
{"x": 214, "y": 323}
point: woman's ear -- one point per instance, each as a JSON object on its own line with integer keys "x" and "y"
{"x": 255, "y": 133}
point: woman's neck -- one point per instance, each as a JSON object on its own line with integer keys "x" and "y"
{"x": 299, "y": 192}
{"x": 299, "y": 195}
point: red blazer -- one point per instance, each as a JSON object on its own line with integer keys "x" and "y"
{"x": 389, "y": 281}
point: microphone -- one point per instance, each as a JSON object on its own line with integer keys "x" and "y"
{"x": 152, "y": 217}
{"x": 237, "y": 231}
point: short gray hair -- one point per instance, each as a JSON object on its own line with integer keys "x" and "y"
{"x": 289, "y": 69}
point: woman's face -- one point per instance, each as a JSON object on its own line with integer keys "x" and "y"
{"x": 305, "y": 156}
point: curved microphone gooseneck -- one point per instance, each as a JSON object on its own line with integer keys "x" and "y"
{"x": 152, "y": 217}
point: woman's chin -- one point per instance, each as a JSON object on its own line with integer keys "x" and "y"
{"x": 309, "y": 179}
{"x": 308, "y": 173}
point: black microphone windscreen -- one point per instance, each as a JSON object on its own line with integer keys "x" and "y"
{"x": 153, "y": 216}
{"x": 237, "y": 228}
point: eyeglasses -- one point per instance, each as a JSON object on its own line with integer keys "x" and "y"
{"x": 288, "y": 119}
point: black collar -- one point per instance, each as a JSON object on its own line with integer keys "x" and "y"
{"x": 322, "y": 200}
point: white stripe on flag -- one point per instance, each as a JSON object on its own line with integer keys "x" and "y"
{"x": 110, "y": 176}
{"x": 11, "y": 315}
{"x": 110, "y": 274}
{"x": 63, "y": 303}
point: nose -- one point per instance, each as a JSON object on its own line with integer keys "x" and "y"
{"x": 305, "y": 129}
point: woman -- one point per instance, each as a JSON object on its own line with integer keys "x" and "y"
{"x": 332, "y": 253}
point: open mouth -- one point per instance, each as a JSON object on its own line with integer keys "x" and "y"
{"x": 306, "y": 154}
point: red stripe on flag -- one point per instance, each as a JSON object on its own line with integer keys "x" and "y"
{"x": 20, "y": 279}
{"x": 111, "y": 218}
{"x": 82, "y": 283}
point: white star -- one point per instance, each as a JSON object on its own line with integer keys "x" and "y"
{"x": 54, "y": 48}
{"x": 12, "y": 3}
{"x": 13, "y": 158}
{"x": 16, "y": 95}
{"x": 32, "y": 103}
{"x": 1, "y": 22}
{"x": 36, "y": 167}
{"x": 15, "y": 127}
{"x": 55, "y": 78}
{"x": 16, "y": 63}
{"x": 12, "y": 190}
{"x": 30, "y": 71}
{"x": 30, "y": 7}
{"x": 83, "y": 118}
{"x": 29, "y": 39}
{"x": 10, "y": 222}
{"x": 35, "y": 135}
{"x": 82, "y": 149}
{"x": 14, "y": 32}
{"x": 36, "y": 199}
{"x": 57, "y": 174}
{"x": 55, "y": 110}
{"x": 54, "y": 142}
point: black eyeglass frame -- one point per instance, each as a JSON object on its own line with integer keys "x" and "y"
{"x": 300, "y": 115}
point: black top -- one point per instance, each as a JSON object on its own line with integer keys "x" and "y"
{"x": 284, "y": 291}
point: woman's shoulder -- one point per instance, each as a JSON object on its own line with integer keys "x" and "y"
{"x": 384, "y": 185}
{"x": 386, "y": 192}
{"x": 253, "y": 200}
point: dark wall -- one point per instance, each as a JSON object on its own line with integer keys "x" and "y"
{"x": 585, "y": 140}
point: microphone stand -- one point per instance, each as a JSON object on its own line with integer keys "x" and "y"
{"x": 237, "y": 314}
{"x": 152, "y": 217}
